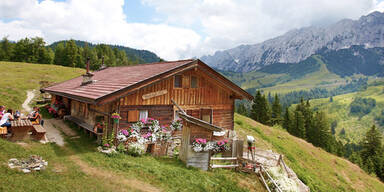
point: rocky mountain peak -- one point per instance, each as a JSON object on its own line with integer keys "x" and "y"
{"x": 298, "y": 44}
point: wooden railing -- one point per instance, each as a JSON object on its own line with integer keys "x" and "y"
{"x": 241, "y": 164}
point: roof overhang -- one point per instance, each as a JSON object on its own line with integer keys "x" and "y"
{"x": 239, "y": 92}
{"x": 199, "y": 122}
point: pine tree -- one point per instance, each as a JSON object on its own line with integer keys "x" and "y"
{"x": 322, "y": 132}
{"x": 71, "y": 57}
{"x": 242, "y": 110}
{"x": 6, "y": 49}
{"x": 260, "y": 109}
{"x": 298, "y": 128}
{"x": 276, "y": 111}
{"x": 256, "y": 110}
{"x": 59, "y": 54}
{"x": 308, "y": 121}
{"x": 372, "y": 152}
{"x": 287, "y": 123}
{"x": 265, "y": 112}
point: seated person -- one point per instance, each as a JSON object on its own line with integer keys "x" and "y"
{"x": 4, "y": 122}
{"x": 98, "y": 128}
{"x": 35, "y": 114}
{"x": 2, "y": 111}
{"x": 17, "y": 115}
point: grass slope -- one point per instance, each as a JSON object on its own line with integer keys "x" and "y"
{"x": 320, "y": 170}
{"x": 17, "y": 78}
{"x": 355, "y": 127}
{"x": 82, "y": 168}
{"x": 321, "y": 79}
{"x": 79, "y": 167}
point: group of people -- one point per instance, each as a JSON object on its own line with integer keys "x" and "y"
{"x": 6, "y": 116}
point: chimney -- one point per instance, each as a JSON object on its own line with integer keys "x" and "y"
{"x": 87, "y": 77}
{"x": 102, "y": 64}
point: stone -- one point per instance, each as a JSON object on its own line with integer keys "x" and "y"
{"x": 34, "y": 163}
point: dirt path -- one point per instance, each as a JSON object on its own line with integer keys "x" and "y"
{"x": 118, "y": 182}
{"x": 53, "y": 134}
{"x": 55, "y": 129}
{"x": 25, "y": 105}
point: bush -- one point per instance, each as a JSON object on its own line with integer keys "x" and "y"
{"x": 380, "y": 118}
{"x": 362, "y": 106}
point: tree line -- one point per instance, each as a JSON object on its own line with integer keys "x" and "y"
{"x": 314, "y": 126}
{"x": 293, "y": 97}
{"x": 67, "y": 53}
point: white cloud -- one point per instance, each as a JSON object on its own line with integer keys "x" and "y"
{"x": 228, "y": 23}
{"x": 191, "y": 28}
{"x": 379, "y": 6}
{"x": 97, "y": 21}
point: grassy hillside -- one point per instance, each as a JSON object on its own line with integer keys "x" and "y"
{"x": 321, "y": 78}
{"x": 79, "y": 167}
{"x": 17, "y": 78}
{"x": 354, "y": 126}
{"x": 318, "y": 169}
{"x": 283, "y": 78}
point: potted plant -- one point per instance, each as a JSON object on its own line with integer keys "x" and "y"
{"x": 116, "y": 117}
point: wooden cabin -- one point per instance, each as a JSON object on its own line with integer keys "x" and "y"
{"x": 145, "y": 91}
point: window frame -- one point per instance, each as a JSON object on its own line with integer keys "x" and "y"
{"x": 210, "y": 114}
{"x": 181, "y": 82}
{"x": 140, "y": 112}
{"x": 197, "y": 82}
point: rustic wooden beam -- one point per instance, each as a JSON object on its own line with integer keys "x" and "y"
{"x": 178, "y": 107}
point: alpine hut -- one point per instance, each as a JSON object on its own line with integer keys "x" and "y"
{"x": 148, "y": 91}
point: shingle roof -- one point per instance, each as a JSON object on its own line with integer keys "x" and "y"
{"x": 113, "y": 79}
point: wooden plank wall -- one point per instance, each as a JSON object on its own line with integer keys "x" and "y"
{"x": 208, "y": 95}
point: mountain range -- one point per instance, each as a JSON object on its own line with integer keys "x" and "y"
{"x": 299, "y": 44}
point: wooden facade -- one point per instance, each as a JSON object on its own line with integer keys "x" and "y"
{"x": 195, "y": 87}
{"x": 208, "y": 97}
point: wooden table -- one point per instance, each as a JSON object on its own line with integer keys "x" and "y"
{"x": 20, "y": 129}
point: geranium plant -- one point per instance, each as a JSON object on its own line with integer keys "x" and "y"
{"x": 199, "y": 145}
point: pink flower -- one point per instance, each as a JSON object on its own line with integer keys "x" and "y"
{"x": 125, "y": 132}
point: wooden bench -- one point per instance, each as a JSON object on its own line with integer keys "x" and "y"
{"x": 87, "y": 127}
{"x": 38, "y": 132}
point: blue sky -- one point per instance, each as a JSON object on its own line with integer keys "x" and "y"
{"x": 173, "y": 29}
{"x": 138, "y": 12}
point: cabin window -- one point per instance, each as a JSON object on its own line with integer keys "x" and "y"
{"x": 193, "y": 82}
{"x": 143, "y": 114}
{"x": 178, "y": 83}
{"x": 206, "y": 115}
{"x": 133, "y": 116}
